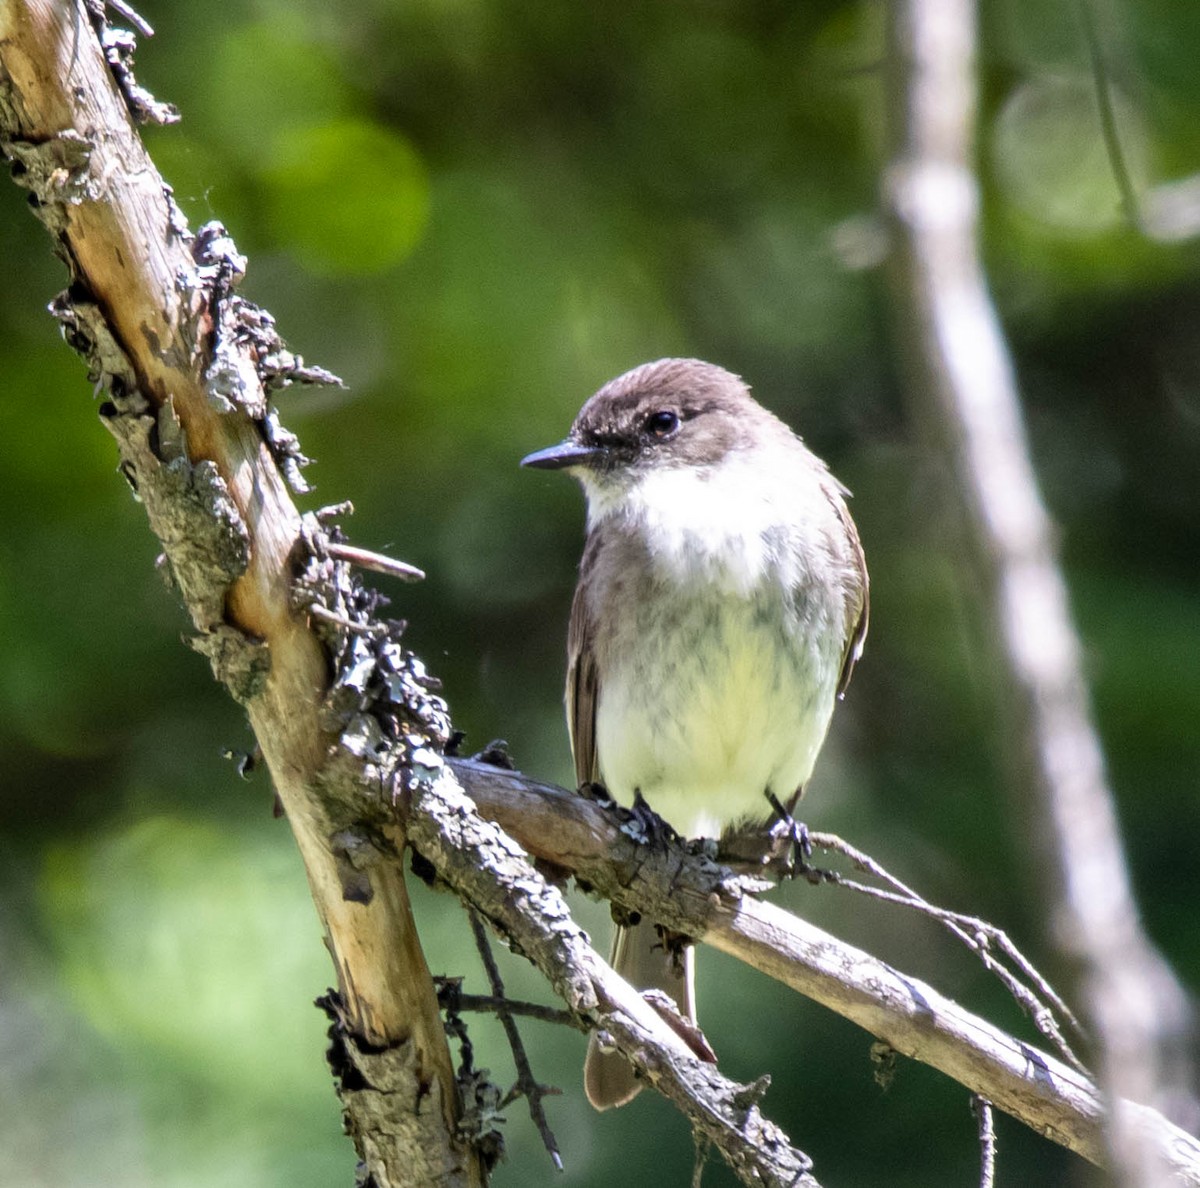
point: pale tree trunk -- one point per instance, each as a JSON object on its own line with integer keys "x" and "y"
{"x": 964, "y": 391}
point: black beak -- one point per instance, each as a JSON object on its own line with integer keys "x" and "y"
{"x": 560, "y": 457}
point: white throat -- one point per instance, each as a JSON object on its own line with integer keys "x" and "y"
{"x": 720, "y": 525}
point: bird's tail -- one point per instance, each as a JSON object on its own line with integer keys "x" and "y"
{"x": 639, "y": 956}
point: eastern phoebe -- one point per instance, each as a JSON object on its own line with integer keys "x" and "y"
{"x": 721, "y": 606}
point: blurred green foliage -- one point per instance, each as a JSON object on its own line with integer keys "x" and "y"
{"x": 476, "y": 211}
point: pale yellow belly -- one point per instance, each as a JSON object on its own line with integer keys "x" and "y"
{"x": 704, "y": 719}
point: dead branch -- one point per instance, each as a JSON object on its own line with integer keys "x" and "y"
{"x": 963, "y": 386}
{"x": 527, "y": 1085}
{"x": 1039, "y": 1000}
{"x": 486, "y": 868}
{"x": 690, "y": 894}
{"x": 186, "y": 366}
{"x": 982, "y": 1109}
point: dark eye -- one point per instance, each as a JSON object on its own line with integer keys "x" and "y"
{"x": 662, "y": 424}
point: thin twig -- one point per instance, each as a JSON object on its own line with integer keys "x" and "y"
{"x": 977, "y": 934}
{"x": 526, "y": 1083}
{"x": 376, "y": 562}
{"x": 334, "y": 511}
{"x": 489, "y": 1003}
{"x": 136, "y": 19}
{"x": 702, "y": 1150}
{"x": 1108, "y": 115}
{"x": 371, "y": 627}
{"x": 982, "y": 1109}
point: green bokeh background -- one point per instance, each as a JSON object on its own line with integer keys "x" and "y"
{"x": 476, "y": 211}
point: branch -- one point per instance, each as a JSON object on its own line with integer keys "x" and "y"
{"x": 490, "y": 872}
{"x": 987, "y": 1141}
{"x": 963, "y": 385}
{"x": 690, "y": 894}
{"x": 1040, "y": 1001}
{"x": 527, "y": 1084}
{"x": 187, "y": 365}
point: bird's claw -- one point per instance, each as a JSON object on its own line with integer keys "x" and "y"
{"x": 791, "y": 846}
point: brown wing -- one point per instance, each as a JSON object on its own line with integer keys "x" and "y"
{"x": 582, "y": 686}
{"x": 858, "y": 593}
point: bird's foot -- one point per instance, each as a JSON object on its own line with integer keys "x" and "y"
{"x": 645, "y": 825}
{"x": 791, "y": 847}
{"x": 594, "y": 790}
{"x": 495, "y": 754}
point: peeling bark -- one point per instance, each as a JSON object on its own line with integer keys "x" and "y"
{"x": 187, "y": 367}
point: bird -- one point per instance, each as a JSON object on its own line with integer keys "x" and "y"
{"x": 721, "y": 606}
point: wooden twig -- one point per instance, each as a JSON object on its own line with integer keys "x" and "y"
{"x": 982, "y": 1109}
{"x": 376, "y": 562}
{"x": 527, "y": 1084}
{"x": 135, "y": 18}
{"x": 538, "y": 1011}
{"x": 367, "y": 627}
{"x": 978, "y": 935}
